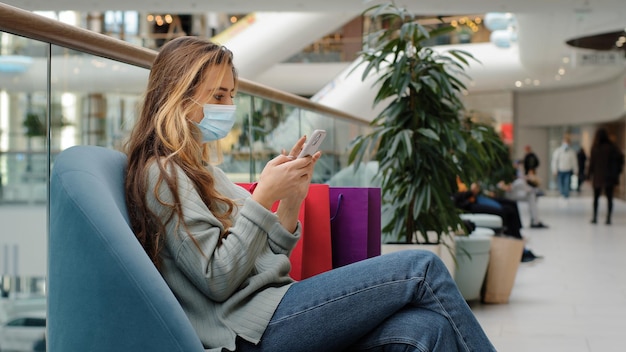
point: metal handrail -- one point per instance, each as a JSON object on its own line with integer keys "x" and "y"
{"x": 30, "y": 25}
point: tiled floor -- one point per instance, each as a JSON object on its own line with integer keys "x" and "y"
{"x": 575, "y": 298}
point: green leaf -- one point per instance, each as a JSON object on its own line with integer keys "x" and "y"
{"x": 439, "y": 31}
{"x": 407, "y": 136}
{"x": 427, "y": 132}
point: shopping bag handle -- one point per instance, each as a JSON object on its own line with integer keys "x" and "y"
{"x": 339, "y": 200}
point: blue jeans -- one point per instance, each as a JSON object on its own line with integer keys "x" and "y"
{"x": 484, "y": 200}
{"x": 403, "y": 301}
{"x": 564, "y": 179}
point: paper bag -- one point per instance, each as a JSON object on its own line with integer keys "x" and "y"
{"x": 505, "y": 256}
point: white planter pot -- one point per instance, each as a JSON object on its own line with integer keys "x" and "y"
{"x": 441, "y": 250}
{"x": 472, "y": 256}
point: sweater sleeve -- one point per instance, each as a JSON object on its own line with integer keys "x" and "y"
{"x": 281, "y": 241}
{"x": 217, "y": 269}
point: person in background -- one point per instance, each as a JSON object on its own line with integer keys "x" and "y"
{"x": 564, "y": 165}
{"x": 605, "y": 165}
{"x": 524, "y": 188}
{"x": 531, "y": 161}
{"x": 510, "y": 184}
{"x": 472, "y": 199}
{"x": 225, "y": 253}
{"x": 582, "y": 164}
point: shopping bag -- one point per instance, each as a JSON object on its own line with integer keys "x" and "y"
{"x": 355, "y": 224}
{"x": 505, "y": 256}
{"x": 312, "y": 255}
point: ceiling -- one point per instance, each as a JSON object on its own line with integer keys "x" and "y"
{"x": 539, "y": 59}
{"x": 243, "y": 6}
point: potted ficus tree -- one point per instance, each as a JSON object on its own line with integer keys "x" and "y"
{"x": 420, "y": 139}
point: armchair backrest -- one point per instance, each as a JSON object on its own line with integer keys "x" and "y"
{"x": 104, "y": 293}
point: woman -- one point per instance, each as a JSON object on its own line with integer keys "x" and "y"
{"x": 605, "y": 165}
{"x": 225, "y": 254}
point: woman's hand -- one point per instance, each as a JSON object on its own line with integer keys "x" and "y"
{"x": 504, "y": 186}
{"x": 289, "y": 207}
{"x": 286, "y": 178}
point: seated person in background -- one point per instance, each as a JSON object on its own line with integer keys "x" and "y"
{"x": 522, "y": 189}
{"x": 533, "y": 181}
{"x": 472, "y": 200}
{"x": 225, "y": 254}
{"x": 519, "y": 190}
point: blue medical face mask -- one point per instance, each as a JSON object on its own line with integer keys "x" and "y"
{"x": 218, "y": 120}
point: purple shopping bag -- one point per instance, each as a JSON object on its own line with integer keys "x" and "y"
{"x": 355, "y": 226}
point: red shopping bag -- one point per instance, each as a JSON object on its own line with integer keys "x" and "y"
{"x": 312, "y": 255}
{"x": 355, "y": 224}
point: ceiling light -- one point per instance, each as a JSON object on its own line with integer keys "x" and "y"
{"x": 498, "y": 20}
{"x": 518, "y": 84}
{"x": 501, "y": 38}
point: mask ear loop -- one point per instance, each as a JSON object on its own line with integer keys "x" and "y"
{"x": 189, "y": 120}
{"x": 195, "y": 101}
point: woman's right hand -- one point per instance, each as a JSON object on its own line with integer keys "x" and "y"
{"x": 285, "y": 177}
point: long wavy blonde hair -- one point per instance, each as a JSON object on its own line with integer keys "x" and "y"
{"x": 165, "y": 134}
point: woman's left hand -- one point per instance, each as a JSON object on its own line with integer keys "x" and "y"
{"x": 302, "y": 187}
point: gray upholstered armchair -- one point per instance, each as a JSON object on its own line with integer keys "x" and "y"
{"x": 104, "y": 293}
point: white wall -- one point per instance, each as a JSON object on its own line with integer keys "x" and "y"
{"x": 497, "y": 105}
{"x": 589, "y": 104}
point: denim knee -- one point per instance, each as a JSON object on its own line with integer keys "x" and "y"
{"x": 411, "y": 330}
{"x": 423, "y": 257}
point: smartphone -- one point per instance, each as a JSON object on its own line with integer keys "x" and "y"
{"x": 313, "y": 143}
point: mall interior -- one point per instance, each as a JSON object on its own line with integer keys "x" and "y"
{"x": 74, "y": 74}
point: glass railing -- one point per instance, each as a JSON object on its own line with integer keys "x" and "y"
{"x": 81, "y": 88}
